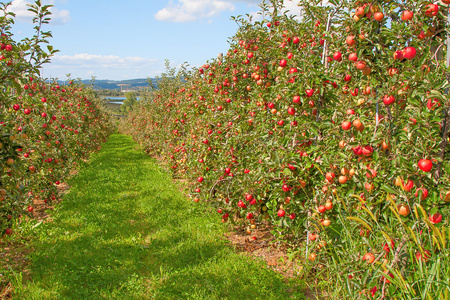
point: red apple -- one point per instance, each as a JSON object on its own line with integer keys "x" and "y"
{"x": 423, "y": 192}
{"x": 293, "y": 70}
{"x": 425, "y": 257}
{"x": 425, "y": 165}
{"x": 408, "y": 186}
{"x": 337, "y": 56}
{"x": 398, "y": 55}
{"x": 360, "y": 65}
{"x": 431, "y": 10}
{"x": 367, "y": 150}
{"x": 346, "y": 125}
{"x": 388, "y": 100}
{"x": 291, "y": 111}
{"x": 378, "y": 16}
{"x": 436, "y": 218}
{"x": 407, "y": 15}
{"x": 350, "y": 40}
{"x": 241, "y": 204}
{"x": 357, "y": 150}
{"x": 369, "y": 187}
{"x": 409, "y": 53}
{"x": 353, "y": 56}
{"x": 369, "y": 257}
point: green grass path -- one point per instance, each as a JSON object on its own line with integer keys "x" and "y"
{"x": 124, "y": 231}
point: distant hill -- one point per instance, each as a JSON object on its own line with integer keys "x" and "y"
{"x": 129, "y": 84}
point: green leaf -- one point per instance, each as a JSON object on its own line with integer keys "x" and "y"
{"x": 361, "y": 221}
{"x": 389, "y": 189}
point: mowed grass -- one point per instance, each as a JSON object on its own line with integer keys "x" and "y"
{"x": 124, "y": 231}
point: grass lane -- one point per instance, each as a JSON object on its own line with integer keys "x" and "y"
{"x": 124, "y": 231}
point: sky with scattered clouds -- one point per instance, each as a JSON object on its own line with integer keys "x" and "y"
{"x": 115, "y": 39}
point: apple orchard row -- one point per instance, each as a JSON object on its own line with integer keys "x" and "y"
{"x": 337, "y": 135}
{"x": 45, "y": 128}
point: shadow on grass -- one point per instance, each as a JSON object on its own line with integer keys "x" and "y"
{"x": 125, "y": 232}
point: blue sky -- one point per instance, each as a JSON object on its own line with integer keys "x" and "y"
{"x": 112, "y": 39}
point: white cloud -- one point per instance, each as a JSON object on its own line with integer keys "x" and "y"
{"x": 193, "y": 10}
{"x": 292, "y": 6}
{"x": 85, "y": 65}
{"x": 247, "y": 1}
{"x": 289, "y": 5}
{"x": 20, "y": 8}
{"x": 59, "y": 16}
